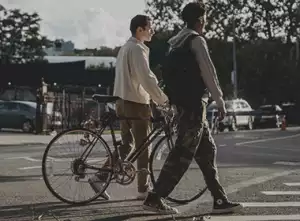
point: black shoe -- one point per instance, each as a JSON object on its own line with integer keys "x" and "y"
{"x": 154, "y": 203}
{"x": 224, "y": 206}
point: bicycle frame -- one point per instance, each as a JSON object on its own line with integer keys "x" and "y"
{"x": 108, "y": 121}
{"x": 155, "y": 132}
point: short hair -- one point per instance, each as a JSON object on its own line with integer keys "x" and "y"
{"x": 193, "y": 12}
{"x": 138, "y": 21}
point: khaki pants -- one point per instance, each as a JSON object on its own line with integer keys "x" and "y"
{"x": 133, "y": 133}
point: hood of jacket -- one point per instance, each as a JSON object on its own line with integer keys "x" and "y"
{"x": 177, "y": 40}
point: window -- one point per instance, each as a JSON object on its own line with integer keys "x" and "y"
{"x": 12, "y": 106}
{"x": 244, "y": 105}
{"x": 2, "y": 106}
{"x": 25, "y": 107}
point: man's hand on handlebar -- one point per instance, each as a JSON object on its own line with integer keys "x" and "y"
{"x": 221, "y": 114}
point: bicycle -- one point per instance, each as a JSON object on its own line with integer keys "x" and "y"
{"x": 123, "y": 171}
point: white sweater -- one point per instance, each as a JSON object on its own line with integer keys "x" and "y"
{"x": 134, "y": 81}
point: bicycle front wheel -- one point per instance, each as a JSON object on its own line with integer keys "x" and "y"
{"x": 192, "y": 184}
{"x": 69, "y": 162}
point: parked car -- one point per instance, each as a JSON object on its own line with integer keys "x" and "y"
{"x": 239, "y": 114}
{"x": 22, "y": 115}
{"x": 291, "y": 112}
{"x": 268, "y": 116}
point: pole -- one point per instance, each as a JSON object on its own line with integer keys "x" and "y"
{"x": 297, "y": 50}
{"x": 235, "y": 88}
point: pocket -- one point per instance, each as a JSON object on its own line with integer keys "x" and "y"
{"x": 137, "y": 110}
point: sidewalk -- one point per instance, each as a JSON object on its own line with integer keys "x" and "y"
{"x": 17, "y": 139}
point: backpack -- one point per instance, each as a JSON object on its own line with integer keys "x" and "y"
{"x": 181, "y": 76}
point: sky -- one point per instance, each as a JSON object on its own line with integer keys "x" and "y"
{"x": 88, "y": 23}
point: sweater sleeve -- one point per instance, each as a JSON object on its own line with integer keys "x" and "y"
{"x": 208, "y": 70}
{"x": 146, "y": 77}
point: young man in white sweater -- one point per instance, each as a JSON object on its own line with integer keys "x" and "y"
{"x": 136, "y": 84}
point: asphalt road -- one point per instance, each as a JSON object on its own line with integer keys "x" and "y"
{"x": 258, "y": 168}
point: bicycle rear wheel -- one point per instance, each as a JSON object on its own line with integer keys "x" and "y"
{"x": 195, "y": 189}
{"x": 75, "y": 166}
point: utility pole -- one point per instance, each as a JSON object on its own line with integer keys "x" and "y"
{"x": 297, "y": 50}
{"x": 235, "y": 87}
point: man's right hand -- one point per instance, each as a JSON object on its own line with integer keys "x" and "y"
{"x": 222, "y": 113}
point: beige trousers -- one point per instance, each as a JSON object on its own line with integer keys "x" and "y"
{"x": 133, "y": 133}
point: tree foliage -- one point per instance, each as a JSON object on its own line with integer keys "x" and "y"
{"x": 20, "y": 38}
{"x": 267, "y": 62}
{"x": 254, "y": 19}
{"x": 165, "y": 14}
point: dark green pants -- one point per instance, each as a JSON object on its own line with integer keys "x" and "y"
{"x": 194, "y": 141}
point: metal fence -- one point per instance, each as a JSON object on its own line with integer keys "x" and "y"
{"x": 74, "y": 109}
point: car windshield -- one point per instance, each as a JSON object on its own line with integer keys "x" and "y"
{"x": 228, "y": 104}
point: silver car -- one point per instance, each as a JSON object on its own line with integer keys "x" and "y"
{"x": 239, "y": 115}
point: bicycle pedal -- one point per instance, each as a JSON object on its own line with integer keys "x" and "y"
{"x": 143, "y": 171}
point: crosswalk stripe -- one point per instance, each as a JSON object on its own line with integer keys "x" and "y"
{"x": 272, "y": 193}
{"x": 255, "y": 218}
{"x": 32, "y": 159}
{"x": 67, "y": 160}
{"x": 271, "y": 204}
{"x": 292, "y": 184}
{"x": 287, "y": 163}
{"x": 30, "y": 168}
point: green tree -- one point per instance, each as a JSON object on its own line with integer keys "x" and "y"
{"x": 165, "y": 14}
{"x": 254, "y": 19}
{"x": 20, "y": 38}
{"x": 266, "y": 52}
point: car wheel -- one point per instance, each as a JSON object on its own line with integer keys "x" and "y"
{"x": 233, "y": 126}
{"x": 250, "y": 124}
{"x": 27, "y": 126}
{"x": 277, "y": 123}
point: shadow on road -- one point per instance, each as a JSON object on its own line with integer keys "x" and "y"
{"x": 8, "y": 179}
{"x": 64, "y": 211}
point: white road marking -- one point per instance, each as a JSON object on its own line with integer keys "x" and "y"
{"x": 259, "y": 154}
{"x": 32, "y": 159}
{"x": 24, "y": 158}
{"x": 271, "y": 204}
{"x": 30, "y": 168}
{"x": 274, "y": 193}
{"x": 267, "y": 139}
{"x": 284, "y": 147}
{"x": 292, "y": 184}
{"x": 222, "y": 145}
{"x": 14, "y": 158}
{"x": 287, "y": 163}
{"x": 235, "y": 188}
{"x": 67, "y": 160}
{"x": 256, "y": 218}
{"x": 90, "y": 160}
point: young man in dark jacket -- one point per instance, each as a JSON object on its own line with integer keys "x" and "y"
{"x": 194, "y": 138}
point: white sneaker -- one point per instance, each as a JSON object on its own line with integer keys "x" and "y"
{"x": 142, "y": 196}
{"x": 97, "y": 186}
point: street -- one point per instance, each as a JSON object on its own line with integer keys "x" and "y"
{"x": 259, "y": 168}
